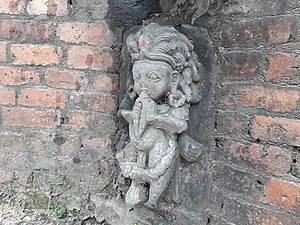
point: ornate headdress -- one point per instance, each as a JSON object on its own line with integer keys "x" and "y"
{"x": 166, "y": 44}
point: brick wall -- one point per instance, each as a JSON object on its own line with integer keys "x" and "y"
{"x": 256, "y": 177}
{"x": 58, "y": 91}
{"x": 58, "y": 98}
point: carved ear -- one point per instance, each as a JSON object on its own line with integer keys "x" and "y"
{"x": 175, "y": 77}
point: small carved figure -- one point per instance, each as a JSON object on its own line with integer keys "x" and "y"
{"x": 165, "y": 80}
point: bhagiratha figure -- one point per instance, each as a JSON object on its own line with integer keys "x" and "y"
{"x": 165, "y": 77}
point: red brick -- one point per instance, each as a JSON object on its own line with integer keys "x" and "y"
{"x": 232, "y": 123}
{"x": 240, "y": 65}
{"x": 282, "y": 195}
{"x": 274, "y": 159}
{"x": 12, "y": 6}
{"x": 94, "y": 101}
{"x": 42, "y": 31}
{"x": 276, "y": 129}
{"x": 65, "y": 79}
{"x": 278, "y": 99}
{"x": 271, "y": 159}
{"x": 24, "y": 30}
{"x": 99, "y": 146}
{"x": 106, "y": 83}
{"x": 49, "y": 7}
{"x": 43, "y": 98}
{"x": 255, "y": 32}
{"x": 2, "y": 52}
{"x": 91, "y": 58}
{"x": 242, "y": 33}
{"x": 12, "y": 76}
{"x": 280, "y": 66}
{"x": 266, "y": 217}
{"x": 14, "y": 30}
{"x": 94, "y": 122}
{"x": 36, "y": 54}
{"x": 8, "y": 97}
{"x": 90, "y": 33}
{"x": 281, "y": 31}
{"x": 28, "y": 118}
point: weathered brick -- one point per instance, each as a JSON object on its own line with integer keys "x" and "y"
{"x": 94, "y": 101}
{"x": 280, "y": 31}
{"x": 235, "y": 181}
{"x": 229, "y": 209}
{"x": 282, "y": 194}
{"x": 28, "y": 118}
{"x": 24, "y": 31}
{"x": 36, "y": 54}
{"x": 8, "y": 97}
{"x": 232, "y": 123}
{"x": 98, "y": 146}
{"x": 240, "y": 65}
{"x": 246, "y": 8}
{"x": 5, "y": 176}
{"x": 49, "y": 7}
{"x": 43, "y": 98}
{"x": 65, "y": 79}
{"x": 276, "y": 129}
{"x": 90, "y": 33}
{"x": 280, "y": 67}
{"x": 12, "y": 76}
{"x": 10, "y": 140}
{"x": 2, "y": 52}
{"x": 272, "y": 159}
{"x": 91, "y": 58}
{"x": 12, "y": 6}
{"x": 85, "y": 120}
{"x": 106, "y": 83}
{"x": 254, "y": 32}
{"x": 242, "y": 33}
{"x": 14, "y": 30}
{"x": 268, "y": 217}
{"x": 278, "y": 99}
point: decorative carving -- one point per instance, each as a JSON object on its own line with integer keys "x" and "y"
{"x": 127, "y": 13}
{"x": 165, "y": 82}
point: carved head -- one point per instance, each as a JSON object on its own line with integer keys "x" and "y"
{"x": 164, "y": 65}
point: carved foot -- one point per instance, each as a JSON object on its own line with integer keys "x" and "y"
{"x": 151, "y": 205}
{"x": 136, "y": 194}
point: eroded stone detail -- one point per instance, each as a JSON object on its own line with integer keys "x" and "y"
{"x": 166, "y": 81}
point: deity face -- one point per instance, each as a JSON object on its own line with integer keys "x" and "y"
{"x": 152, "y": 76}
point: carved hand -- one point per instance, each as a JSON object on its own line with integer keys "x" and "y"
{"x": 140, "y": 174}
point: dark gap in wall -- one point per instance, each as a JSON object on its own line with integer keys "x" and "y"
{"x": 70, "y": 2}
{"x": 208, "y": 220}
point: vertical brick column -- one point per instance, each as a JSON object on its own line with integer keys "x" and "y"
{"x": 257, "y": 121}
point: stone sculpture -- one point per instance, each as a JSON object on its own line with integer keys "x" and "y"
{"x": 165, "y": 83}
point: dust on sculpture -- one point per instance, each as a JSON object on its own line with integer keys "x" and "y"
{"x": 165, "y": 76}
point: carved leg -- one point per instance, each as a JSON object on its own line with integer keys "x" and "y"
{"x": 158, "y": 187}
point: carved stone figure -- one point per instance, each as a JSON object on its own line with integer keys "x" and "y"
{"x": 165, "y": 82}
